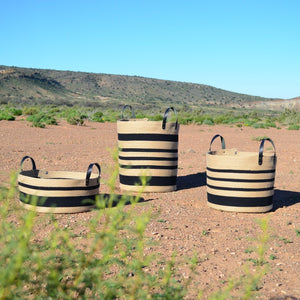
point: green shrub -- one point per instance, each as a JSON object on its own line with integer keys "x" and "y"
{"x": 106, "y": 262}
{"x": 75, "y": 120}
{"x": 289, "y": 116}
{"x": 259, "y": 125}
{"x": 259, "y": 138}
{"x": 4, "y": 115}
{"x": 41, "y": 120}
{"x": 74, "y": 116}
{"x": 97, "y": 117}
{"x": 208, "y": 122}
{"x": 294, "y": 127}
{"x": 271, "y": 124}
{"x": 185, "y": 120}
{"x": 110, "y": 118}
{"x": 15, "y": 111}
{"x": 220, "y": 119}
{"x": 199, "y": 119}
{"x": 140, "y": 115}
{"x": 157, "y": 117}
{"x": 32, "y": 110}
{"x": 248, "y": 123}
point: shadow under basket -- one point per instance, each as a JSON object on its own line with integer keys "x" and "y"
{"x": 240, "y": 181}
{"x": 58, "y": 191}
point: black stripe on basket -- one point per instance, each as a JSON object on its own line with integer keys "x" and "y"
{"x": 57, "y": 201}
{"x": 153, "y": 181}
{"x": 148, "y": 158}
{"x": 239, "y": 201}
{"x": 148, "y": 137}
{"x": 240, "y": 180}
{"x": 241, "y": 171}
{"x": 239, "y": 189}
{"x": 146, "y": 167}
{"x": 148, "y": 150}
{"x": 48, "y": 188}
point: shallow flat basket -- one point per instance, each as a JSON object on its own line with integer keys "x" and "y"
{"x": 148, "y": 149}
{"x": 240, "y": 181}
{"x": 58, "y": 191}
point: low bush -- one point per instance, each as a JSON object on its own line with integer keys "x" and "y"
{"x": 220, "y": 119}
{"x": 15, "y": 111}
{"x": 75, "y": 120}
{"x": 107, "y": 261}
{"x": 41, "y": 120}
{"x": 289, "y": 116}
{"x": 294, "y": 127}
{"x": 5, "y": 115}
{"x": 157, "y": 117}
{"x": 208, "y": 122}
{"x": 260, "y": 125}
{"x": 259, "y": 138}
{"x": 32, "y": 110}
{"x": 97, "y": 117}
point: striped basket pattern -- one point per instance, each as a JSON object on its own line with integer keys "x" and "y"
{"x": 149, "y": 150}
{"x": 240, "y": 181}
{"x": 58, "y": 191}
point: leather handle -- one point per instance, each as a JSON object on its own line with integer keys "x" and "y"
{"x": 32, "y": 162}
{"x": 222, "y": 141}
{"x": 166, "y": 116}
{"x": 132, "y": 111}
{"x": 89, "y": 172}
{"x": 261, "y": 150}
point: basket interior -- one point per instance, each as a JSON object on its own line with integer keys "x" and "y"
{"x": 236, "y": 153}
{"x": 61, "y": 175}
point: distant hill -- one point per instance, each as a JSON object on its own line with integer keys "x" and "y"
{"x": 40, "y": 86}
{"x": 278, "y": 104}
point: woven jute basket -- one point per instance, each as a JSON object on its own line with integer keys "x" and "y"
{"x": 148, "y": 149}
{"x": 240, "y": 181}
{"x": 58, "y": 191}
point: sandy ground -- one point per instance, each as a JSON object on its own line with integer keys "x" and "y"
{"x": 185, "y": 225}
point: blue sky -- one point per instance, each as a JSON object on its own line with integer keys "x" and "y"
{"x": 245, "y": 46}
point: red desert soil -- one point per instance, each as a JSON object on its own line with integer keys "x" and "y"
{"x": 185, "y": 225}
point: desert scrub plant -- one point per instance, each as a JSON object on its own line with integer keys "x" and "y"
{"x": 97, "y": 117}
{"x": 157, "y": 117}
{"x": 260, "y": 125}
{"x": 74, "y": 115}
{"x": 31, "y": 110}
{"x": 259, "y": 138}
{"x": 41, "y": 119}
{"x": 76, "y": 118}
{"x": 108, "y": 262}
{"x": 289, "y": 116}
{"x": 14, "y": 111}
{"x": 294, "y": 127}
{"x": 5, "y": 115}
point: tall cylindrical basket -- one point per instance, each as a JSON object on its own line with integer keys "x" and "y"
{"x": 149, "y": 150}
{"x": 240, "y": 181}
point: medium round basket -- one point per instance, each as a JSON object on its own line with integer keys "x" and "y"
{"x": 149, "y": 150}
{"x": 58, "y": 191}
{"x": 240, "y": 181}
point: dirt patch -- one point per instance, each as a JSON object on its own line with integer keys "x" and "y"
{"x": 185, "y": 225}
